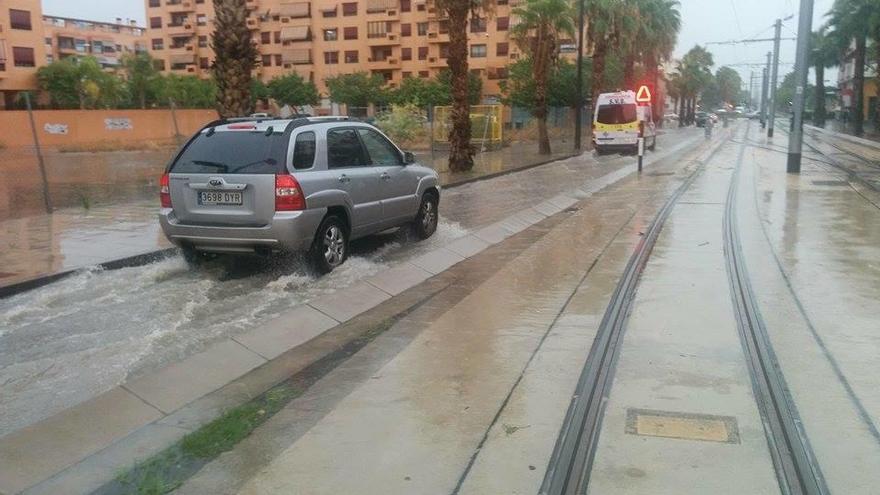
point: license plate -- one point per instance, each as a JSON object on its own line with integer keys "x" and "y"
{"x": 219, "y": 198}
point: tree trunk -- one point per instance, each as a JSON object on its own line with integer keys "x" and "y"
{"x": 460, "y": 151}
{"x": 819, "y": 107}
{"x": 682, "y": 118}
{"x": 541, "y": 72}
{"x": 235, "y": 58}
{"x": 859, "y": 90}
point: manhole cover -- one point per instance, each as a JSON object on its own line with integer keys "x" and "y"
{"x": 830, "y": 183}
{"x": 685, "y": 426}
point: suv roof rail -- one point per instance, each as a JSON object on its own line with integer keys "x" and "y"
{"x": 330, "y": 118}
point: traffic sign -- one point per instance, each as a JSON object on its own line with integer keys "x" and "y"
{"x": 644, "y": 94}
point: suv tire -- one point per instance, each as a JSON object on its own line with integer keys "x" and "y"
{"x": 425, "y": 223}
{"x": 330, "y": 247}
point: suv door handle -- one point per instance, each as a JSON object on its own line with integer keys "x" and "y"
{"x": 344, "y": 178}
{"x": 385, "y": 176}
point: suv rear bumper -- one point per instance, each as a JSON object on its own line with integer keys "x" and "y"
{"x": 288, "y": 231}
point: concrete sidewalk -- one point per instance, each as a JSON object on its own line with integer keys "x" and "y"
{"x": 41, "y": 247}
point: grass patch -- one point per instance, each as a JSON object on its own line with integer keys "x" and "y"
{"x": 169, "y": 469}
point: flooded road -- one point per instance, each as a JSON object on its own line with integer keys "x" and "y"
{"x": 64, "y": 343}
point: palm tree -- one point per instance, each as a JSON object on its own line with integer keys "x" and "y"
{"x": 856, "y": 18}
{"x": 695, "y": 72}
{"x": 542, "y": 23}
{"x": 461, "y": 154}
{"x": 658, "y": 35}
{"x": 604, "y": 32}
{"x": 235, "y": 56}
{"x": 824, "y": 50}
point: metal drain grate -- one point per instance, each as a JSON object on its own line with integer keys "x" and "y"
{"x": 684, "y": 426}
{"x": 830, "y": 183}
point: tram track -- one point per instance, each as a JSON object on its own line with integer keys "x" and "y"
{"x": 570, "y": 464}
{"x": 797, "y": 469}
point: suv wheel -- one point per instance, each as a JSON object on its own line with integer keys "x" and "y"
{"x": 330, "y": 247}
{"x": 425, "y": 223}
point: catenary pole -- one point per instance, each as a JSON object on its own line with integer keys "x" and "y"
{"x": 795, "y": 141}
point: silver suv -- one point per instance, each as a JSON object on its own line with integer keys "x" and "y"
{"x": 263, "y": 185}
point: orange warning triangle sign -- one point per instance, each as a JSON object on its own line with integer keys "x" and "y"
{"x": 644, "y": 95}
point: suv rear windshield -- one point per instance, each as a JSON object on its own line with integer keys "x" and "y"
{"x": 231, "y": 152}
{"x": 616, "y": 114}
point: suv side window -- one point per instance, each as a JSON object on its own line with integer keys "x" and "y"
{"x": 304, "y": 150}
{"x": 382, "y": 152}
{"x": 344, "y": 149}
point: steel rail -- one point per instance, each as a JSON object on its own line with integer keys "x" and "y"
{"x": 796, "y": 467}
{"x": 568, "y": 471}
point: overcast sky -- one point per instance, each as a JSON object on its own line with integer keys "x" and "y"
{"x": 702, "y": 21}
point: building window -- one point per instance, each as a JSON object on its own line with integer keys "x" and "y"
{"x": 501, "y": 2}
{"x": 478, "y": 25}
{"x": 420, "y": 7}
{"x": 203, "y": 41}
{"x": 351, "y": 56}
{"x": 502, "y": 23}
{"x": 331, "y": 58}
{"x": 406, "y": 29}
{"x": 501, "y": 49}
{"x": 423, "y": 53}
{"x": 406, "y": 53}
{"x": 350, "y": 33}
{"x": 405, "y": 6}
{"x": 444, "y": 50}
{"x": 331, "y": 34}
{"x": 203, "y": 63}
{"x": 48, "y": 41}
{"x": 377, "y": 29}
{"x": 155, "y": 22}
{"x": 49, "y": 60}
{"x": 159, "y": 64}
{"x": 266, "y": 60}
{"x": 423, "y": 74}
{"x": 422, "y": 28}
{"x": 154, "y": 3}
{"x": 406, "y": 75}
{"x": 329, "y": 13}
{"x": 349, "y": 8}
{"x": 201, "y": 20}
{"x": 20, "y": 19}
{"x": 478, "y": 51}
{"x": 265, "y": 37}
{"x": 23, "y": 56}
{"x": 278, "y": 60}
{"x": 157, "y": 43}
{"x": 443, "y": 27}
{"x": 277, "y": 36}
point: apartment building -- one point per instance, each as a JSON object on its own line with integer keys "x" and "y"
{"x": 22, "y": 48}
{"x": 846, "y": 83}
{"x": 106, "y": 41}
{"x": 393, "y": 38}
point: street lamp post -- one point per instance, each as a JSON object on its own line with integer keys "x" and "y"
{"x": 795, "y": 141}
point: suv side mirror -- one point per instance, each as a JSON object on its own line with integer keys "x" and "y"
{"x": 408, "y": 157}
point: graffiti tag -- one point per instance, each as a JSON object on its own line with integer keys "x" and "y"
{"x": 55, "y": 128}
{"x": 118, "y": 124}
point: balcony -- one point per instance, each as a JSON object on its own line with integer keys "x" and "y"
{"x": 389, "y": 39}
{"x": 296, "y": 56}
{"x": 181, "y": 29}
{"x": 181, "y": 6}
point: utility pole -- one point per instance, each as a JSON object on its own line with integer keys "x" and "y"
{"x": 796, "y": 139}
{"x": 578, "y": 119}
{"x": 773, "y": 77}
{"x": 765, "y": 82}
{"x": 751, "y": 89}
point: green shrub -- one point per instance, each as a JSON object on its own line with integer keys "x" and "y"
{"x": 404, "y": 123}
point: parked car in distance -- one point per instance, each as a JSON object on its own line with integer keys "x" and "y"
{"x": 263, "y": 186}
{"x": 700, "y": 119}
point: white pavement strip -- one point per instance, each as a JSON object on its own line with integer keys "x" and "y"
{"x": 172, "y": 387}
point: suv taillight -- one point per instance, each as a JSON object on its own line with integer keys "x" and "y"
{"x": 288, "y": 195}
{"x": 164, "y": 192}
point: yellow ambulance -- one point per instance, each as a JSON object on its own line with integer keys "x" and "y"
{"x": 616, "y": 123}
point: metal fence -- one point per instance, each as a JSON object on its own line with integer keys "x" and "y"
{"x": 487, "y": 125}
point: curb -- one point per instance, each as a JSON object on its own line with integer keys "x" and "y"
{"x": 127, "y": 262}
